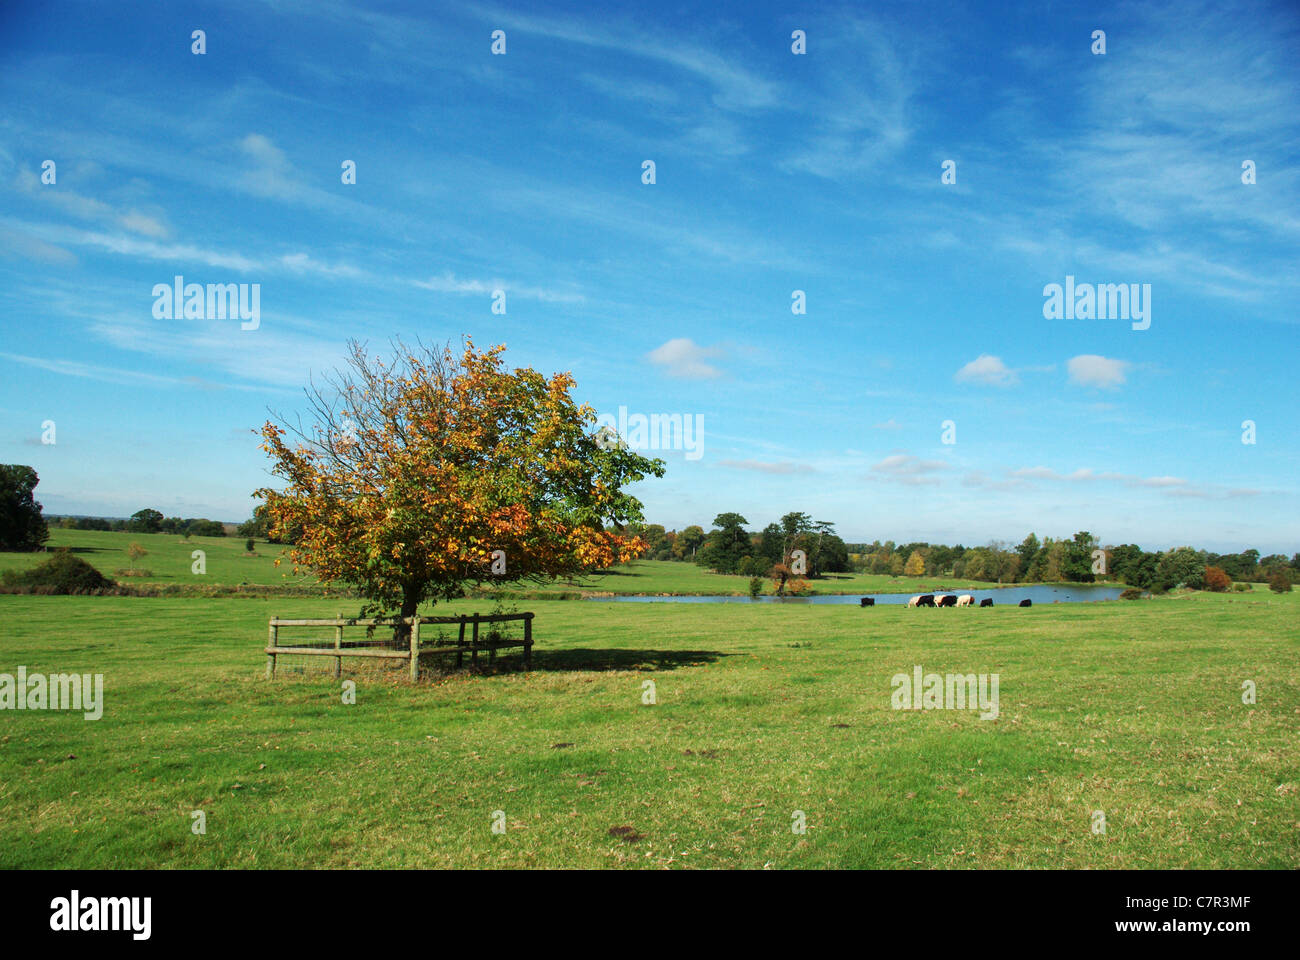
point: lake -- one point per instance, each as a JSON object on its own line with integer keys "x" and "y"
{"x": 1004, "y": 596}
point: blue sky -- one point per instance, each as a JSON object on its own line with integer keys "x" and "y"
{"x": 774, "y": 172}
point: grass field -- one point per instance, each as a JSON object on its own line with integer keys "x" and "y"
{"x": 170, "y": 561}
{"x": 1132, "y": 708}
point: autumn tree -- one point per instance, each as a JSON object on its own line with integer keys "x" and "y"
{"x": 1217, "y": 579}
{"x": 431, "y": 472}
{"x": 915, "y": 566}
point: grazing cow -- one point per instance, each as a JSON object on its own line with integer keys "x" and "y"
{"x": 868, "y": 602}
{"x": 965, "y": 600}
{"x": 949, "y": 601}
{"x": 915, "y": 601}
{"x": 925, "y": 600}
{"x": 986, "y": 602}
{"x": 1026, "y": 602}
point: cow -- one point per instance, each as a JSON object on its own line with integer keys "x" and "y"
{"x": 868, "y": 602}
{"x": 1026, "y": 602}
{"x": 925, "y": 600}
{"x": 915, "y": 601}
{"x": 965, "y": 600}
{"x": 986, "y": 602}
{"x": 947, "y": 601}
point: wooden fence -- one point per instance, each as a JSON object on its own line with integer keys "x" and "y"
{"x": 411, "y": 650}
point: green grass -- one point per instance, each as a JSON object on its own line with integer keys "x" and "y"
{"x": 169, "y": 561}
{"x": 169, "y": 558}
{"x": 1133, "y": 708}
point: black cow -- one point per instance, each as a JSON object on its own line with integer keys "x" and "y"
{"x": 925, "y": 600}
{"x": 986, "y": 602}
{"x": 949, "y": 601}
{"x": 1026, "y": 602}
{"x": 868, "y": 601}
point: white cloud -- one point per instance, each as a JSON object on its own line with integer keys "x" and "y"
{"x": 685, "y": 359}
{"x": 989, "y": 370}
{"x": 1091, "y": 370}
{"x": 1161, "y": 482}
{"x": 908, "y": 468}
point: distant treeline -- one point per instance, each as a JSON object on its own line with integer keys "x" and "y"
{"x": 153, "y": 521}
{"x": 730, "y": 548}
{"x": 146, "y": 521}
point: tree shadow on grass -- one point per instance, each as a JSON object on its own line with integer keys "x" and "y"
{"x": 619, "y": 659}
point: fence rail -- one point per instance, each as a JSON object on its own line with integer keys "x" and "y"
{"x": 411, "y": 649}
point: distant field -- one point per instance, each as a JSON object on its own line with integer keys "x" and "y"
{"x": 169, "y": 561}
{"x": 169, "y": 558}
{"x": 1131, "y": 708}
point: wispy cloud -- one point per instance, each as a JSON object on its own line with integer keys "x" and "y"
{"x": 908, "y": 469}
{"x": 734, "y": 86}
{"x": 449, "y": 283}
{"x": 121, "y": 377}
{"x": 763, "y": 466}
{"x": 89, "y": 208}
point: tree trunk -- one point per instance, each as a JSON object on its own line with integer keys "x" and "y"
{"x": 410, "y": 604}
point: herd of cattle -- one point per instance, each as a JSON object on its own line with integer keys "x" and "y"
{"x": 948, "y": 600}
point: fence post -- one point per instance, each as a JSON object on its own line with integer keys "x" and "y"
{"x": 460, "y": 644}
{"x": 528, "y": 641}
{"x": 270, "y": 656}
{"x": 473, "y": 655}
{"x": 415, "y": 648}
{"x": 338, "y": 645}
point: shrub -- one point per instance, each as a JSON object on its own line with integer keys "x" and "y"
{"x": 1217, "y": 579}
{"x": 1241, "y": 587}
{"x": 248, "y": 544}
{"x": 1132, "y": 593}
{"x": 755, "y": 586}
{"x": 1279, "y": 581}
{"x": 62, "y": 573}
{"x": 134, "y": 552}
{"x": 132, "y": 572}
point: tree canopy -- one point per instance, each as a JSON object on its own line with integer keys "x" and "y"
{"x": 429, "y": 472}
{"x": 22, "y": 526}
